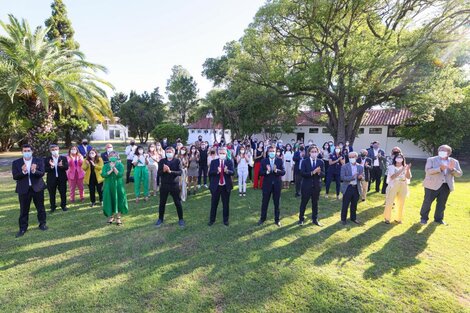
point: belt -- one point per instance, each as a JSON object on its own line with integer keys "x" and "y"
{"x": 287, "y": 161}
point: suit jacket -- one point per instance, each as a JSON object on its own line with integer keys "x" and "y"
{"x": 272, "y": 178}
{"x": 75, "y": 169}
{"x": 61, "y": 170}
{"x": 435, "y": 177}
{"x": 296, "y": 158}
{"x": 309, "y": 181}
{"x": 214, "y": 176}
{"x": 105, "y": 157}
{"x": 382, "y": 159}
{"x": 347, "y": 176}
{"x": 363, "y": 162}
{"x": 22, "y": 181}
{"x": 84, "y": 151}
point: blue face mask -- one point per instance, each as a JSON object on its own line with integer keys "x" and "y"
{"x": 169, "y": 155}
{"x": 272, "y": 154}
{"x": 27, "y": 155}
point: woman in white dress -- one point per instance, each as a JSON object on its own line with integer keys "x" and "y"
{"x": 288, "y": 165}
{"x": 243, "y": 159}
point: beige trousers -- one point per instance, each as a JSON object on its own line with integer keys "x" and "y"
{"x": 396, "y": 193}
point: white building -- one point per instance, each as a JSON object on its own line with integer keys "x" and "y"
{"x": 376, "y": 125}
{"x": 206, "y": 128}
{"x": 110, "y": 131}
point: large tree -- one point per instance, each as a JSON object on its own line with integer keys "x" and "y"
{"x": 60, "y": 28}
{"x": 348, "y": 56}
{"x": 182, "y": 93}
{"x": 141, "y": 113}
{"x": 47, "y": 79}
{"x": 117, "y": 100}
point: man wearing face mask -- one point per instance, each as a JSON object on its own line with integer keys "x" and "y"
{"x": 169, "y": 169}
{"x": 105, "y": 155}
{"x": 130, "y": 151}
{"x": 202, "y": 172}
{"x": 351, "y": 174}
{"x": 366, "y": 163}
{"x": 438, "y": 183}
{"x": 56, "y": 167}
{"x": 84, "y": 148}
{"x": 272, "y": 169}
{"x": 348, "y": 146}
{"x": 28, "y": 172}
{"x": 220, "y": 173}
{"x": 312, "y": 171}
{"x": 297, "y": 158}
{"x": 378, "y": 158}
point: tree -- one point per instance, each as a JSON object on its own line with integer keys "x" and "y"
{"x": 170, "y": 131}
{"x": 34, "y": 71}
{"x": 348, "y": 56}
{"x": 117, "y": 101}
{"x": 142, "y": 112}
{"x": 60, "y": 27}
{"x": 182, "y": 93}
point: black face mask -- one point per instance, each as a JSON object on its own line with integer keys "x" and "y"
{"x": 301, "y": 148}
{"x": 396, "y": 153}
{"x": 132, "y": 143}
{"x": 200, "y": 139}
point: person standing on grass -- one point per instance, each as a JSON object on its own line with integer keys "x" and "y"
{"x": 272, "y": 169}
{"x": 114, "y": 193}
{"x": 161, "y": 155}
{"x": 93, "y": 166}
{"x": 141, "y": 173}
{"x": 182, "y": 155}
{"x": 438, "y": 183}
{"x": 398, "y": 179}
{"x": 193, "y": 169}
{"x": 288, "y": 165}
{"x": 325, "y": 153}
{"x": 386, "y": 163}
{"x": 202, "y": 172}
{"x": 28, "y": 172}
{"x": 366, "y": 163}
{"x": 334, "y": 171}
{"x": 243, "y": 159}
{"x": 312, "y": 171}
{"x": 75, "y": 173}
{"x": 169, "y": 169}
{"x": 56, "y": 168}
{"x": 298, "y": 158}
{"x": 105, "y": 155}
{"x": 351, "y": 174}
{"x": 130, "y": 150}
{"x": 152, "y": 167}
{"x": 258, "y": 157}
{"x": 378, "y": 159}
{"x": 220, "y": 174}
{"x": 84, "y": 148}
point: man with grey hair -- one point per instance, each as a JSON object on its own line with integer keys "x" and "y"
{"x": 351, "y": 175}
{"x": 438, "y": 183}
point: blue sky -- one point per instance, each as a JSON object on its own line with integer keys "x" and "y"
{"x": 140, "y": 40}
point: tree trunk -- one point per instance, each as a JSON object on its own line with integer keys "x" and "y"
{"x": 42, "y": 131}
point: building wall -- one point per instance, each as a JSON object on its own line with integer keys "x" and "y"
{"x": 207, "y": 135}
{"x": 102, "y": 134}
{"x": 318, "y": 135}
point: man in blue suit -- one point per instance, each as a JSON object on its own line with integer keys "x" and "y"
{"x": 28, "y": 172}
{"x": 312, "y": 170}
{"x": 377, "y": 156}
{"x": 84, "y": 148}
{"x": 272, "y": 169}
{"x": 352, "y": 174}
{"x": 297, "y": 158}
{"x": 220, "y": 174}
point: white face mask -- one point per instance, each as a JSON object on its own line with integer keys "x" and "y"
{"x": 399, "y": 160}
{"x": 183, "y": 152}
{"x": 141, "y": 151}
{"x": 92, "y": 155}
{"x": 314, "y": 155}
{"x": 443, "y": 154}
{"x": 152, "y": 149}
{"x": 337, "y": 150}
{"x": 169, "y": 155}
{"x": 193, "y": 150}
{"x": 352, "y": 160}
{"x": 55, "y": 152}
{"x": 109, "y": 150}
{"x": 222, "y": 156}
{"x": 73, "y": 151}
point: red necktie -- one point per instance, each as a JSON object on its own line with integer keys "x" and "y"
{"x": 221, "y": 178}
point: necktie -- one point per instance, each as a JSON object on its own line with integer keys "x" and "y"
{"x": 221, "y": 177}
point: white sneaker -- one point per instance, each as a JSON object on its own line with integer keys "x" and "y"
{"x": 205, "y": 186}
{"x": 199, "y": 186}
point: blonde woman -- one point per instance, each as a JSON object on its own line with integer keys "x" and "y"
{"x": 193, "y": 169}
{"x": 398, "y": 178}
{"x": 183, "y": 157}
{"x": 288, "y": 165}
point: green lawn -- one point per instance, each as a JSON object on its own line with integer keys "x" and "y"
{"x": 83, "y": 265}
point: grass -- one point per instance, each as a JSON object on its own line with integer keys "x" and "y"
{"x": 83, "y": 265}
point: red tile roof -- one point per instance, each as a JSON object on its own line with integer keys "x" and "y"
{"x": 204, "y": 123}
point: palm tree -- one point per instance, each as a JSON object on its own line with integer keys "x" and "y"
{"x": 47, "y": 80}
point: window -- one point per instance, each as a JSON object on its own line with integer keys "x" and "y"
{"x": 192, "y": 131}
{"x": 117, "y": 133}
{"x": 199, "y": 131}
{"x": 361, "y": 131}
{"x": 206, "y": 131}
{"x": 324, "y": 130}
{"x": 313, "y": 130}
{"x": 375, "y": 130}
{"x": 392, "y": 132}
{"x": 226, "y": 131}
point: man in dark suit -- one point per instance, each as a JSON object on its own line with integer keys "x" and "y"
{"x": 313, "y": 169}
{"x": 351, "y": 176}
{"x": 220, "y": 174}
{"x": 169, "y": 169}
{"x": 377, "y": 156}
{"x": 56, "y": 166}
{"x": 105, "y": 155}
{"x": 272, "y": 169}
{"x": 28, "y": 172}
{"x": 202, "y": 174}
{"x": 84, "y": 148}
{"x": 297, "y": 158}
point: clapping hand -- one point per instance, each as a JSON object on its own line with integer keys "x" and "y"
{"x": 33, "y": 168}
{"x": 275, "y": 168}
{"x": 112, "y": 164}
{"x": 166, "y": 169}
{"x": 451, "y": 165}
{"x": 359, "y": 177}
{"x": 24, "y": 168}
{"x": 226, "y": 169}
{"x": 61, "y": 164}
{"x": 442, "y": 167}
{"x": 51, "y": 163}
{"x": 268, "y": 168}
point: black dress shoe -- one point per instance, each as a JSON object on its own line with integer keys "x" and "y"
{"x": 226, "y": 224}
{"x": 356, "y": 222}
{"x": 317, "y": 223}
{"x": 65, "y": 209}
{"x": 441, "y": 223}
{"x": 20, "y": 233}
{"x": 52, "y": 210}
{"x": 343, "y": 222}
{"x": 300, "y": 223}
{"x": 260, "y": 222}
{"x": 278, "y": 224}
{"x": 210, "y": 223}
{"x": 43, "y": 227}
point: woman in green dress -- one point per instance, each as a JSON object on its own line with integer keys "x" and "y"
{"x": 114, "y": 193}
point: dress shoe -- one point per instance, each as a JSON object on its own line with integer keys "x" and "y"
{"x": 20, "y": 233}
{"x": 387, "y": 222}
{"x": 317, "y": 223}
{"x": 300, "y": 223}
{"x": 278, "y": 224}
{"x": 52, "y": 210}
{"x": 260, "y": 222}
{"x": 423, "y": 222}
{"x": 356, "y": 222}
{"x": 65, "y": 209}
{"x": 441, "y": 223}
{"x": 159, "y": 223}
{"x": 210, "y": 223}
{"x": 181, "y": 223}
{"x": 343, "y": 222}
{"x": 43, "y": 227}
{"x": 226, "y": 224}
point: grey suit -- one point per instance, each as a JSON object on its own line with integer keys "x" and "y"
{"x": 350, "y": 192}
{"x": 437, "y": 186}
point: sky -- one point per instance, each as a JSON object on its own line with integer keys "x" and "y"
{"x": 139, "y": 41}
